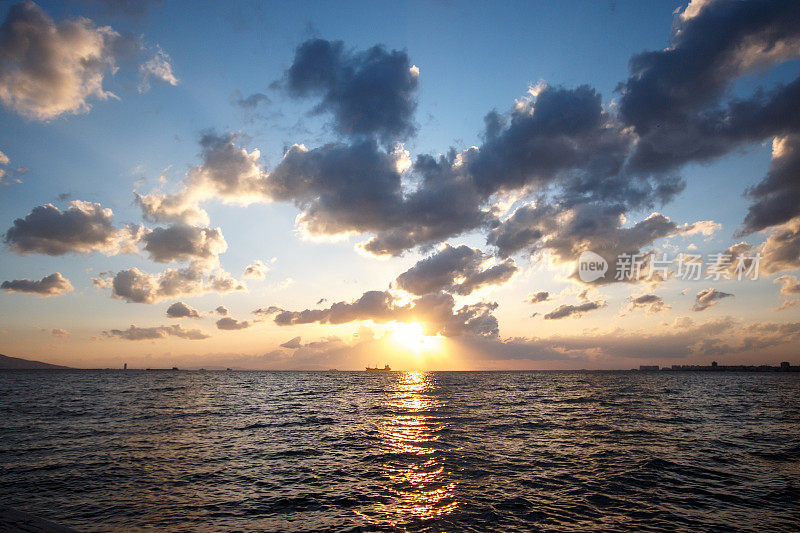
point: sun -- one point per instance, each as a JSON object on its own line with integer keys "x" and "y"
{"x": 412, "y": 336}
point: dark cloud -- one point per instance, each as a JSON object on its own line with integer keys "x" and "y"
{"x": 776, "y": 199}
{"x": 182, "y": 242}
{"x": 673, "y": 98}
{"x": 460, "y": 270}
{"x": 567, "y": 232}
{"x": 650, "y": 303}
{"x": 221, "y": 310}
{"x": 436, "y": 311}
{"x": 182, "y": 310}
{"x": 83, "y": 228}
{"x": 292, "y": 344}
{"x": 228, "y": 323}
{"x": 538, "y": 297}
{"x": 52, "y": 285}
{"x": 135, "y": 333}
{"x": 566, "y": 310}
{"x": 340, "y": 188}
{"x": 707, "y": 298}
{"x": 371, "y": 92}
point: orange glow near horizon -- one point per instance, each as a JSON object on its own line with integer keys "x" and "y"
{"x": 412, "y": 336}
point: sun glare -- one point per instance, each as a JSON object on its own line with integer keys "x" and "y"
{"x": 412, "y": 336}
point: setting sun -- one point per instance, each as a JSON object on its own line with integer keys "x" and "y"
{"x": 412, "y": 336}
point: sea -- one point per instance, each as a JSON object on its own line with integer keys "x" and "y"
{"x": 396, "y": 451}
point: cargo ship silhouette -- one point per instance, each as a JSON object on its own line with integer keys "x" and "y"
{"x": 376, "y": 369}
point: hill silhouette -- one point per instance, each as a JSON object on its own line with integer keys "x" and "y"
{"x": 15, "y": 363}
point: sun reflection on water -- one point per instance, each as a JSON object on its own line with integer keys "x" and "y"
{"x": 417, "y": 475}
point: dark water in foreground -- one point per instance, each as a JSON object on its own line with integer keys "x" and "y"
{"x": 427, "y": 451}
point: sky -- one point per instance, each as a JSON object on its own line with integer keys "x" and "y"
{"x": 421, "y": 184}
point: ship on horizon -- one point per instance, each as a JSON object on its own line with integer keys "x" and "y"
{"x": 376, "y": 369}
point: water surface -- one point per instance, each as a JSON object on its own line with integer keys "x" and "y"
{"x": 480, "y": 451}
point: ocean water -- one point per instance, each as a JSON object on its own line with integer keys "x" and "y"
{"x": 342, "y": 451}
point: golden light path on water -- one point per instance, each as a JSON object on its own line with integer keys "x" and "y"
{"x": 416, "y": 477}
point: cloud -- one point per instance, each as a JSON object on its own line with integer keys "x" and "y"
{"x": 257, "y": 270}
{"x": 135, "y": 333}
{"x": 251, "y": 102}
{"x": 538, "y": 297}
{"x": 49, "y": 69}
{"x": 60, "y": 333}
{"x": 9, "y": 176}
{"x": 227, "y": 172}
{"x": 650, "y": 303}
{"x": 781, "y": 250}
{"x": 133, "y": 285}
{"x": 789, "y": 284}
{"x": 566, "y": 310}
{"x": 181, "y": 242}
{"x": 293, "y": 343}
{"x": 84, "y": 227}
{"x": 221, "y": 310}
{"x": 229, "y": 323}
{"x": 52, "y": 285}
{"x": 776, "y": 199}
{"x": 435, "y": 311}
{"x": 460, "y": 270}
{"x": 181, "y": 310}
{"x": 371, "y": 92}
{"x": 158, "y": 68}
{"x": 707, "y": 298}
{"x": 674, "y": 97}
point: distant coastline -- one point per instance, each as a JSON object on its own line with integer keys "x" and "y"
{"x": 714, "y": 367}
{"x": 16, "y": 363}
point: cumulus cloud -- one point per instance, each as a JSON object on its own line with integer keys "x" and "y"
{"x": 776, "y": 199}
{"x": 48, "y": 69}
{"x": 674, "y": 97}
{"x": 222, "y": 310}
{"x": 460, "y": 270}
{"x": 256, "y": 270}
{"x": 52, "y": 285}
{"x": 135, "y": 333}
{"x": 649, "y": 303}
{"x": 229, "y": 323}
{"x": 227, "y": 172}
{"x": 708, "y": 298}
{"x": 566, "y": 310}
{"x": 84, "y": 227}
{"x": 182, "y": 242}
{"x": 372, "y": 92}
{"x": 182, "y": 310}
{"x": 134, "y": 285}
{"x": 437, "y": 313}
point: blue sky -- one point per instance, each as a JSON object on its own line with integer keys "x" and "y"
{"x": 473, "y": 58}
